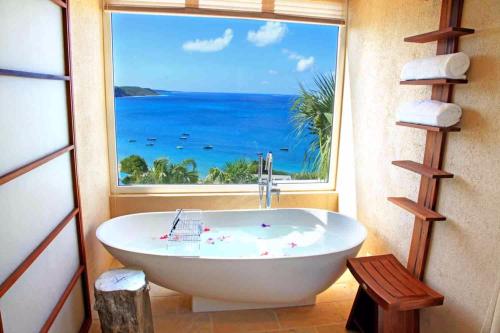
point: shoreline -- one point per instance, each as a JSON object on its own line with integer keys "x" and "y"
{"x": 169, "y": 93}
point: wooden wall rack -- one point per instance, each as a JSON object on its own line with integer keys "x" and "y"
{"x": 390, "y": 296}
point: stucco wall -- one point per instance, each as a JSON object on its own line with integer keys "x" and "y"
{"x": 90, "y": 119}
{"x": 129, "y": 204}
{"x": 465, "y": 256}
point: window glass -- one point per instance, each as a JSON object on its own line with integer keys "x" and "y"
{"x": 197, "y": 98}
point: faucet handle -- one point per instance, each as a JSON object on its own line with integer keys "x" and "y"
{"x": 260, "y": 167}
{"x": 277, "y": 191}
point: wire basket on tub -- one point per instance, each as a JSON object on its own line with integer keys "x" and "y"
{"x": 187, "y": 226}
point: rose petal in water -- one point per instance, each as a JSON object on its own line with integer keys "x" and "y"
{"x": 164, "y": 236}
{"x": 292, "y": 244}
{"x": 265, "y": 253}
{"x": 206, "y": 229}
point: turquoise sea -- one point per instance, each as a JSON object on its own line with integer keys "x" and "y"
{"x": 234, "y": 125}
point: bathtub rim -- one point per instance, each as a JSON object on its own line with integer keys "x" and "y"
{"x": 341, "y": 250}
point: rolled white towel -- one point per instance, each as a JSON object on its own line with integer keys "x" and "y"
{"x": 429, "y": 112}
{"x": 449, "y": 66}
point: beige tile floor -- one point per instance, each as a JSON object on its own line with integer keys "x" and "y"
{"x": 172, "y": 314}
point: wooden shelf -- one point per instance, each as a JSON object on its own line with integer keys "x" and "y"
{"x": 417, "y": 210}
{"x": 449, "y": 32}
{"x": 424, "y": 170}
{"x": 453, "y": 128}
{"x": 434, "y": 82}
{"x": 390, "y": 296}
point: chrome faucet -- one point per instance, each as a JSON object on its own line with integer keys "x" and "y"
{"x": 260, "y": 181}
{"x": 267, "y": 183}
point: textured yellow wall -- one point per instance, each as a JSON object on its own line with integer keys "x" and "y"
{"x": 128, "y": 204}
{"x": 465, "y": 256}
{"x": 90, "y": 119}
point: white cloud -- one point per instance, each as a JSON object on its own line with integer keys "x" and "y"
{"x": 272, "y": 72}
{"x": 291, "y": 54}
{"x": 269, "y": 33}
{"x": 303, "y": 63}
{"x": 209, "y": 45}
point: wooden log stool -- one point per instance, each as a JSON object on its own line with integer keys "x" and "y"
{"x": 122, "y": 300}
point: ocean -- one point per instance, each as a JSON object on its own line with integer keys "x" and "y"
{"x": 234, "y": 125}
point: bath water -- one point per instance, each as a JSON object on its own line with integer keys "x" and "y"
{"x": 256, "y": 241}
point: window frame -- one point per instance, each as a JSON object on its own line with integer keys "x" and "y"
{"x": 297, "y": 186}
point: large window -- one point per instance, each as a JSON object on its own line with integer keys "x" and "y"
{"x": 197, "y": 98}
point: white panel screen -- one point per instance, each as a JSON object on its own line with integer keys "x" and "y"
{"x": 33, "y": 120}
{"x": 28, "y": 304}
{"x": 70, "y": 318}
{"x": 32, "y": 36}
{"x": 30, "y": 208}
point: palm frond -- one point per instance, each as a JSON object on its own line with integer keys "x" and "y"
{"x": 312, "y": 117}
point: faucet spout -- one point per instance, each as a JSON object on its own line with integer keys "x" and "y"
{"x": 266, "y": 183}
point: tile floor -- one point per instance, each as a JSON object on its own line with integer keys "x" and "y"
{"x": 172, "y": 314}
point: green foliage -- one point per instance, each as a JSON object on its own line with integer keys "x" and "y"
{"x": 134, "y": 91}
{"x": 215, "y": 176}
{"x": 162, "y": 171}
{"x": 312, "y": 113}
{"x": 135, "y": 167}
{"x": 306, "y": 175}
{"x": 133, "y": 164}
{"x": 241, "y": 171}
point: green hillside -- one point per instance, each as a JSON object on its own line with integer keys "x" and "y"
{"x": 134, "y": 91}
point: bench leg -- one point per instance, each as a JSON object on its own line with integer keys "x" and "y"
{"x": 367, "y": 317}
{"x": 364, "y": 312}
{"x": 398, "y": 321}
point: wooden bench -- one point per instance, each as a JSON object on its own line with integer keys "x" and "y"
{"x": 389, "y": 297}
{"x": 386, "y": 281}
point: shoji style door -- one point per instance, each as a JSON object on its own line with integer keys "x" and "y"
{"x": 43, "y": 278}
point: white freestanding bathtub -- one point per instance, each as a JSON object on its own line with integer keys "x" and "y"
{"x": 245, "y": 258}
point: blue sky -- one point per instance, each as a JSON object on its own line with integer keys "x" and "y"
{"x": 184, "y": 53}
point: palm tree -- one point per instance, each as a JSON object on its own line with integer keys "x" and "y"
{"x": 215, "y": 176}
{"x": 162, "y": 171}
{"x": 241, "y": 171}
{"x": 312, "y": 113}
{"x": 184, "y": 172}
{"x": 159, "y": 173}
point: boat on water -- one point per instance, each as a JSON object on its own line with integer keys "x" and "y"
{"x": 179, "y": 147}
{"x": 185, "y": 134}
{"x": 284, "y": 149}
{"x": 132, "y": 140}
{"x": 150, "y": 144}
{"x": 151, "y": 139}
{"x": 208, "y": 147}
{"x": 184, "y": 137}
